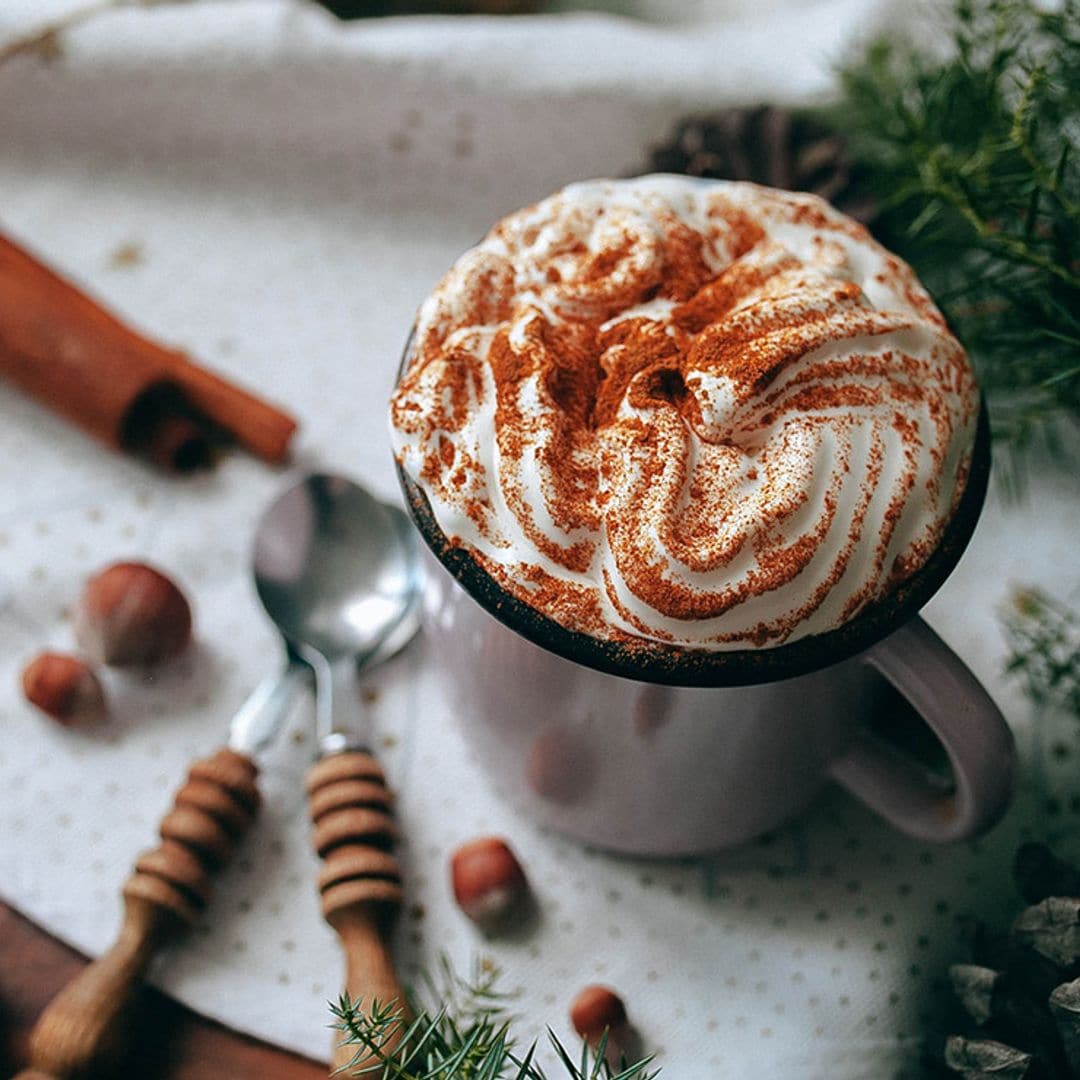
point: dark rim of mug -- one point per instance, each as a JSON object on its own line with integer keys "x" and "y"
{"x": 656, "y": 662}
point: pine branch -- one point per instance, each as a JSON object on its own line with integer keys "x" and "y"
{"x": 1044, "y": 641}
{"x": 469, "y": 1037}
{"x": 976, "y": 160}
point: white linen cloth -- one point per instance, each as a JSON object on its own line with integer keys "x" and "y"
{"x": 277, "y": 193}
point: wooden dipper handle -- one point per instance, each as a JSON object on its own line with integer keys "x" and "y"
{"x": 360, "y": 881}
{"x": 82, "y": 1030}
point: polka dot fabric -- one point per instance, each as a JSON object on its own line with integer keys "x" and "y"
{"x": 280, "y": 208}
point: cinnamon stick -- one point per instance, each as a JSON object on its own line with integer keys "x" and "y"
{"x": 66, "y": 350}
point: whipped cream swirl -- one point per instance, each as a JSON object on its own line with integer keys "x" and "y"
{"x": 707, "y": 414}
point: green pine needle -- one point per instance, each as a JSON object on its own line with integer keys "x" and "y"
{"x": 976, "y": 161}
{"x": 1044, "y": 644}
{"x": 469, "y": 1037}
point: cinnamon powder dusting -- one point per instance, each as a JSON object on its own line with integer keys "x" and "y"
{"x": 700, "y": 431}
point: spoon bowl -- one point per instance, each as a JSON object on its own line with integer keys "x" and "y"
{"x": 338, "y": 571}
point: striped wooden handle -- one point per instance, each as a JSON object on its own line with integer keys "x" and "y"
{"x": 360, "y": 881}
{"x": 83, "y": 1030}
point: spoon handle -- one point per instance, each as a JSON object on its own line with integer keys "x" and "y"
{"x": 83, "y": 1029}
{"x": 360, "y": 881}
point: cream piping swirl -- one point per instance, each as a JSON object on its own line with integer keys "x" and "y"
{"x": 707, "y": 414}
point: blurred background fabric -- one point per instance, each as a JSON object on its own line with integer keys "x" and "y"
{"x": 697, "y": 52}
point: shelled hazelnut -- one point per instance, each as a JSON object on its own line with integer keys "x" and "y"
{"x": 596, "y": 1010}
{"x": 65, "y": 688}
{"x": 489, "y": 884}
{"x": 132, "y": 614}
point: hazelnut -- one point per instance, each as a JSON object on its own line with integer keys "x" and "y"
{"x": 131, "y": 613}
{"x": 65, "y": 688}
{"x": 596, "y": 1010}
{"x": 488, "y": 881}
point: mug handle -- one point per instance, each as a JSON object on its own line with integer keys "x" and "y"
{"x": 940, "y": 688}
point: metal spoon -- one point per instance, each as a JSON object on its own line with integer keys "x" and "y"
{"x": 339, "y": 573}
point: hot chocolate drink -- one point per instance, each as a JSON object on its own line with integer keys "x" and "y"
{"x": 713, "y": 440}
{"x": 705, "y": 416}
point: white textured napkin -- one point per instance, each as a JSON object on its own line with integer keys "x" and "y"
{"x": 290, "y": 190}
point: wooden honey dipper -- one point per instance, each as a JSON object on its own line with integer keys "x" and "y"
{"x": 83, "y": 1031}
{"x": 360, "y": 882}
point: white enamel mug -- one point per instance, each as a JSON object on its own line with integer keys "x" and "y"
{"x": 652, "y": 769}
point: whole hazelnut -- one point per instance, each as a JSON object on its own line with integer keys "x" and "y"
{"x": 489, "y": 884}
{"x": 131, "y": 613}
{"x": 65, "y": 688}
{"x": 596, "y": 1010}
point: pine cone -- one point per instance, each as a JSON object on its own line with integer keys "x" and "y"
{"x": 1023, "y": 989}
{"x": 768, "y": 145}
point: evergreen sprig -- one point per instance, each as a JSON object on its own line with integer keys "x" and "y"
{"x": 469, "y": 1037}
{"x": 1044, "y": 642}
{"x": 975, "y": 156}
